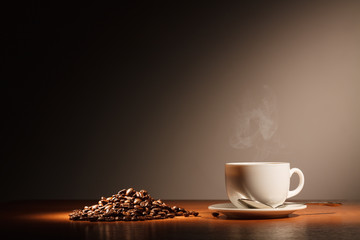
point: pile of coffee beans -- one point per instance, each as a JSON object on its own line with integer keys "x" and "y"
{"x": 129, "y": 205}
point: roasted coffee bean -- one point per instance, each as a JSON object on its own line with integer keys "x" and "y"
{"x": 109, "y": 212}
{"x": 215, "y": 214}
{"x": 137, "y": 201}
{"x": 126, "y": 205}
{"x": 129, "y": 192}
{"x": 138, "y": 207}
{"x": 122, "y": 192}
{"x": 157, "y": 209}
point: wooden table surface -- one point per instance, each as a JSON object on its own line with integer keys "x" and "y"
{"x": 49, "y": 220}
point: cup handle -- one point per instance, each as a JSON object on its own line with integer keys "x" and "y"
{"x": 301, "y": 182}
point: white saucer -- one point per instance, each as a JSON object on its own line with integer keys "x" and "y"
{"x": 231, "y": 211}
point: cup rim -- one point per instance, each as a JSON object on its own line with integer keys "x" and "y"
{"x": 255, "y": 163}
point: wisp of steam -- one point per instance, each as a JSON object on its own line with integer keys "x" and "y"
{"x": 256, "y": 123}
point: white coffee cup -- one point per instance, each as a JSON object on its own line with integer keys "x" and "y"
{"x": 265, "y": 182}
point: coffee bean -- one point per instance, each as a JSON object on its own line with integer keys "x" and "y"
{"x": 156, "y": 209}
{"x": 215, "y": 214}
{"x": 139, "y": 195}
{"x": 122, "y": 192}
{"x": 129, "y": 192}
{"x": 126, "y": 205}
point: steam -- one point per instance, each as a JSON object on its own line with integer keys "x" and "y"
{"x": 256, "y": 123}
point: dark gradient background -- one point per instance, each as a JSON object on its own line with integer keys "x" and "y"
{"x": 100, "y": 97}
